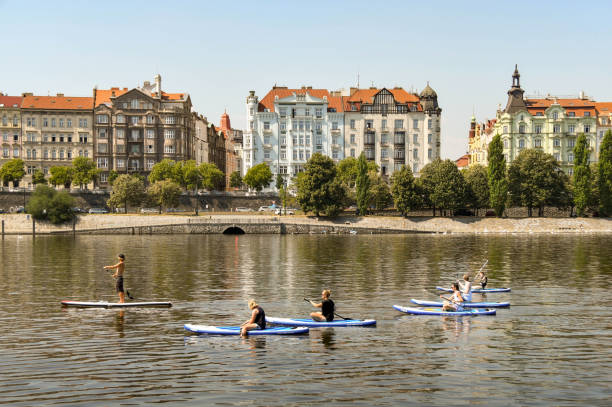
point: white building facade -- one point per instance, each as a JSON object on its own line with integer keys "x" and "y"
{"x": 288, "y": 126}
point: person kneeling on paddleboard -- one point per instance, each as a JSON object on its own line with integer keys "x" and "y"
{"x": 454, "y": 302}
{"x": 257, "y": 320}
{"x": 119, "y": 276}
{"x": 327, "y": 308}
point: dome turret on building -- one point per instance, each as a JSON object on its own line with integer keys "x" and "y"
{"x": 429, "y": 99}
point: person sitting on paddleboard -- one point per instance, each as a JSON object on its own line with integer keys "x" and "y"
{"x": 483, "y": 279}
{"x": 327, "y": 308}
{"x": 455, "y": 300}
{"x": 466, "y": 288}
{"x": 119, "y": 276}
{"x": 257, "y": 320}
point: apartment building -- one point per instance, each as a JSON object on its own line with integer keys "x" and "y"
{"x": 393, "y": 127}
{"x": 233, "y": 147}
{"x": 139, "y": 127}
{"x": 10, "y": 127}
{"x": 287, "y": 126}
{"x": 55, "y": 130}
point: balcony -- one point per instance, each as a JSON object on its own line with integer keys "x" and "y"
{"x": 399, "y": 141}
{"x": 335, "y": 131}
{"x": 369, "y": 141}
{"x": 336, "y": 146}
{"x": 267, "y": 131}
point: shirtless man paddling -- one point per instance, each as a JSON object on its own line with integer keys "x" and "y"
{"x": 119, "y": 276}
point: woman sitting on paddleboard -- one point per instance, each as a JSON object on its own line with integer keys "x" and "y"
{"x": 455, "y": 300}
{"x": 327, "y": 308}
{"x": 466, "y": 288}
{"x": 257, "y": 320}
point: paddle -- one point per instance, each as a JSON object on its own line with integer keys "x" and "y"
{"x": 339, "y": 316}
{"x": 485, "y": 263}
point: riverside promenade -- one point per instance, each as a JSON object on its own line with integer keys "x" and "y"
{"x": 22, "y": 224}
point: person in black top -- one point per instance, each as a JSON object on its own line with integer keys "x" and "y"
{"x": 327, "y": 308}
{"x": 257, "y": 320}
{"x": 483, "y": 279}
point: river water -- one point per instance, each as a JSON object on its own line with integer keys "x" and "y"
{"x": 552, "y": 347}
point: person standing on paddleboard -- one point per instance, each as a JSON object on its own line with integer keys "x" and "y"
{"x": 257, "y": 320}
{"x": 482, "y": 277}
{"x": 466, "y": 288}
{"x": 327, "y": 308}
{"x": 455, "y": 303}
{"x": 119, "y": 276}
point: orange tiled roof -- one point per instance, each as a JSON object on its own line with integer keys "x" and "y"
{"x": 103, "y": 95}
{"x": 268, "y": 101}
{"x": 463, "y": 161}
{"x": 10, "y": 101}
{"x": 578, "y": 106}
{"x": 173, "y": 96}
{"x": 603, "y": 108}
{"x": 57, "y": 103}
{"x": 361, "y": 96}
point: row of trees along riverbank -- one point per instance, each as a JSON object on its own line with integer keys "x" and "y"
{"x": 533, "y": 180}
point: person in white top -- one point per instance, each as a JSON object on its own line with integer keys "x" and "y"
{"x": 454, "y": 303}
{"x": 466, "y": 288}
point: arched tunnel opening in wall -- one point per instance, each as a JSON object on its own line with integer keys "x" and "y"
{"x": 234, "y": 230}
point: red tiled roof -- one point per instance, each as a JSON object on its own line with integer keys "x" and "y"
{"x": 172, "y": 96}
{"x": 268, "y": 101}
{"x": 463, "y": 161}
{"x": 10, "y": 101}
{"x": 578, "y": 106}
{"x": 366, "y": 96}
{"x": 604, "y": 108}
{"x": 57, "y": 103}
{"x": 104, "y": 95}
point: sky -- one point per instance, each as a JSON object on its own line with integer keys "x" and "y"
{"x": 219, "y": 51}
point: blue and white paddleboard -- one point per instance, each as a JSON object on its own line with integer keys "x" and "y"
{"x": 438, "y": 311}
{"x": 466, "y": 304}
{"x": 314, "y": 324}
{"x": 106, "y": 304}
{"x": 478, "y": 290}
{"x": 235, "y": 330}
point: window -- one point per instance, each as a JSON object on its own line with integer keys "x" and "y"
{"x": 557, "y": 128}
{"x": 587, "y": 114}
{"x": 318, "y": 141}
{"x": 430, "y": 138}
{"x": 319, "y": 112}
{"x": 399, "y": 124}
{"x": 555, "y": 115}
{"x": 102, "y": 162}
{"x": 102, "y": 148}
{"x": 53, "y": 154}
{"x": 571, "y": 128}
{"x": 68, "y": 122}
{"x": 537, "y": 142}
{"x": 301, "y": 124}
{"x": 571, "y": 143}
{"x": 168, "y": 133}
{"x": 82, "y": 137}
{"x": 334, "y": 126}
{"x": 506, "y": 144}
{"x": 415, "y": 153}
{"x": 120, "y": 163}
{"x": 571, "y": 114}
{"x": 384, "y": 138}
{"x": 283, "y": 154}
{"x": 295, "y": 154}
{"x": 556, "y": 142}
{"x": 521, "y": 128}
{"x": 282, "y": 111}
{"x": 266, "y": 154}
{"x": 538, "y": 129}
{"x": 352, "y": 138}
{"x": 61, "y": 139}
{"x": 84, "y": 123}
{"x": 15, "y": 151}
{"x": 384, "y": 153}
{"x": 134, "y": 119}
{"x": 4, "y": 120}
{"x": 61, "y": 122}
{"x": 120, "y": 118}
{"x": 429, "y": 153}
{"x": 383, "y": 124}
{"x": 570, "y": 157}
{"x": 69, "y": 154}
{"x": 587, "y": 128}
{"x": 150, "y": 163}
{"x": 102, "y": 133}
{"x": 415, "y": 124}
{"x": 283, "y": 126}
{"x": 266, "y": 139}
{"x": 352, "y": 152}
{"x": 5, "y": 152}
{"x": 415, "y": 139}
{"x": 150, "y": 148}
{"x": 170, "y": 120}
{"x": 429, "y": 123}
{"x": 283, "y": 140}
{"x": 102, "y": 118}
{"x": 318, "y": 128}
{"x": 335, "y": 154}
{"x": 352, "y": 123}
{"x": 556, "y": 156}
{"x": 307, "y": 112}
{"x": 521, "y": 143}
{"x": 120, "y": 133}
{"x": 150, "y": 133}
{"x": 505, "y": 129}
{"x": 135, "y": 135}
{"x": 169, "y": 149}
{"x": 45, "y": 122}
{"x": 266, "y": 126}
{"x": 307, "y": 140}
{"x": 53, "y": 138}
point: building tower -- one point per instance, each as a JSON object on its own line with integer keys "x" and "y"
{"x": 429, "y": 101}
{"x": 515, "y": 94}
{"x": 250, "y": 134}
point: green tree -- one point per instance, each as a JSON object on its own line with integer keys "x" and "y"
{"x": 604, "y": 175}
{"x": 212, "y": 177}
{"x": 498, "y": 181}
{"x": 12, "y": 171}
{"x": 582, "y": 178}
{"x": 406, "y": 194}
{"x": 164, "y": 193}
{"x": 536, "y": 180}
{"x": 347, "y": 170}
{"x": 235, "y": 179}
{"x": 258, "y": 176}
{"x": 163, "y": 170}
{"x": 362, "y": 185}
{"x": 280, "y": 181}
{"x": 39, "y": 178}
{"x": 85, "y": 171}
{"x": 48, "y": 204}
{"x": 477, "y": 183}
{"x": 112, "y": 176}
{"x": 379, "y": 194}
{"x": 444, "y": 186}
{"x": 61, "y": 175}
{"x": 127, "y": 190}
{"x": 318, "y": 189}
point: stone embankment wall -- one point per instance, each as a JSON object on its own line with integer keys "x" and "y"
{"x": 214, "y": 224}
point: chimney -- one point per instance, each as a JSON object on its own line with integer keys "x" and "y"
{"x": 582, "y": 94}
{"x": 60, "y": 95}
{"x": 27, "y": 94}
{"x": 158, "y": 84}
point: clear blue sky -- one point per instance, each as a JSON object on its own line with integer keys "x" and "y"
{"x": 218, "y": 51}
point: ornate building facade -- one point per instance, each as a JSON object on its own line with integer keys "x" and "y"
{"x": 10, "y": 127}
{"x": 135, "y": 129}
{"x": 55, "y": 130}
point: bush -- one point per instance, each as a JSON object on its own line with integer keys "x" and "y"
{"x": 48, "y": 204}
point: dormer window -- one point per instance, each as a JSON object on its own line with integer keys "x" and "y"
{"x": 571, "y": 114}
{"x": 587, "y": 114}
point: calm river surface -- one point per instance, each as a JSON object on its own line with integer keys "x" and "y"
{"x": 552, "y": 347}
